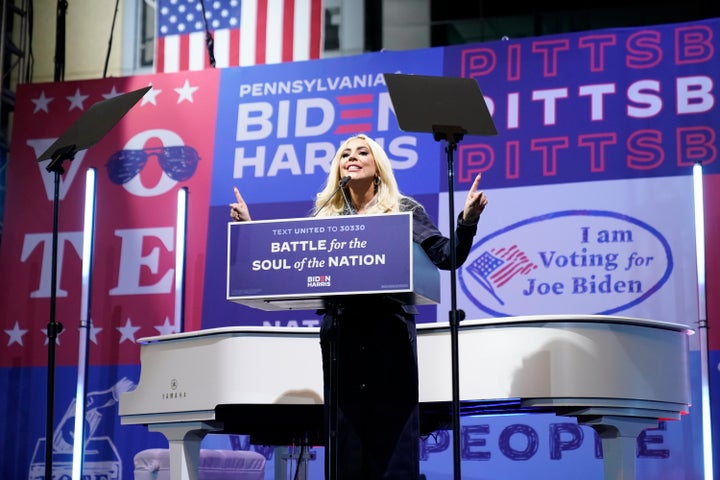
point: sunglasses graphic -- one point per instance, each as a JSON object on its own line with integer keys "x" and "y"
{"x": 179, "y": 163}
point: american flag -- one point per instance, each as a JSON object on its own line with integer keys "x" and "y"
{"x": 496, "y": 267}
{"x": 244, "y": 32}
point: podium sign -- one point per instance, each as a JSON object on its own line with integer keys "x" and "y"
{"x": 299, "y": 263}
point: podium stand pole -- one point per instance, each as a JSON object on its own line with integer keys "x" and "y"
{"x": 452, "y": 135}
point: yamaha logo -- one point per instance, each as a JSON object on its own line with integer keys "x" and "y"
{"x": 174, "y": 393}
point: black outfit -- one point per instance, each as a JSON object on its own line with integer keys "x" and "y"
{"x": 377, "y": 385}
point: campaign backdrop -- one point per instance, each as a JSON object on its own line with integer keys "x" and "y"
{"x": 591, "y": 211}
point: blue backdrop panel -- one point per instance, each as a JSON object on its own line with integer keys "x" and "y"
{"x": 619, "y": 103}
{"x": 280, "y": 125}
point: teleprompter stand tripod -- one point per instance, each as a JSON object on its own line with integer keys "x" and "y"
{"x": 449, "y": 108}
{"x": 92, "y": 126}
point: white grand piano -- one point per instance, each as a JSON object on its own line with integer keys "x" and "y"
{"x": 618, "y": 375}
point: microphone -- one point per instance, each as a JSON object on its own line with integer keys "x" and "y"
{"x": 341, "y": 185}
{"x": 348, "y": 205}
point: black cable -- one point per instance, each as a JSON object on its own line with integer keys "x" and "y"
{"x": 208, "y": 37}
{"x": 299, "y": 461}
{"x": 31, "y": 58}
{"x": 112, "y": 31}
{"x": 59, "y": 73}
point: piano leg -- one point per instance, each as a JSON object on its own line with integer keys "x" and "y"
{"x": 184, "y": 440}
{"x": 619, "y": 441}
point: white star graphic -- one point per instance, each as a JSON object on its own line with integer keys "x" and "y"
{"x": 127, "y": 332}
{"x": 93, "y": 333}
{"x": 41, "y": 103}
{"x": 112, "y": 94}
{"x": 57, "y": 339}
{"x": 16, "y": 335}
{"x": 150, "y": 96}
{"x": 76, "y": 101}
{"x": 166, "y": 328}
{"x": 186, "y": 92}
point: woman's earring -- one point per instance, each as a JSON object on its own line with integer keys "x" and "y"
{"x": 376, "y": 180}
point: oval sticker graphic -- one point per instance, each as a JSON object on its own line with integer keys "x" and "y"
{"x": 574, "y": 261}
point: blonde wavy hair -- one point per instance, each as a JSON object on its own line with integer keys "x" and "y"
{"x": 387, "y": 194}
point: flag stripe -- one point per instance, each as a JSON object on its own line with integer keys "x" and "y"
{"x": 172, "y": 54}
{"x": 505, "y": 274}
{"x": 275, "y": 31}
{"x": 353, "y": 128}
{"x": 221, "y": 39}
{"x": 197, "y": 49}
{"x": 160, "y": 55}
{"x": 350, "y": 99}
{"x": 512, "y": 261}
{"x": 183, "y": 46}
{"x": 316, "y": 28}
{"x": 288, "y": 31}
{"x": 248, "y": 10}
{"x": 234, "y": 48}
{"x": 261, "y": 31}
{"x": 357, "y": 113}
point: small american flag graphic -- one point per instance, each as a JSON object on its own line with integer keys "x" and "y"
{"x": 497, "y": 266}
{"x": 244, "y": 32}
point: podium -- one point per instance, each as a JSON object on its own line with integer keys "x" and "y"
{"x": 299, "y": 264}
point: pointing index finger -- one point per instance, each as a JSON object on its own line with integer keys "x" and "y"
{"x": 238, "y": 197}
{"x": 476, "y": 182}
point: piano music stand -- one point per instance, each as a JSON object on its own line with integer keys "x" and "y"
{"x": 449, "y": 108}
{"x": 92, "y": 126}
